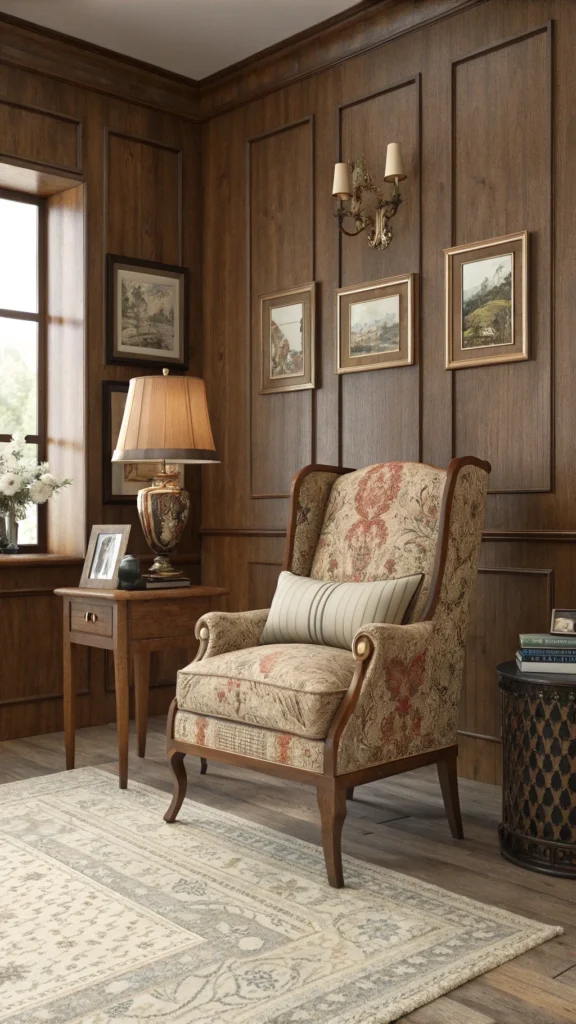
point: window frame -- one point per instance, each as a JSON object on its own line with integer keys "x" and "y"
{"x": 39, "y": 318}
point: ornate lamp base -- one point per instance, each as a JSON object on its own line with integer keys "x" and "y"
{"x": 163, "y": 509}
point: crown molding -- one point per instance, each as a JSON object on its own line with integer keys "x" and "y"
{"x": 360, "y": 29}
{"x": 67, "y": 59}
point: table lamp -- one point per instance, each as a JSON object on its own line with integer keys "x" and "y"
{"x": 165, "y": 420}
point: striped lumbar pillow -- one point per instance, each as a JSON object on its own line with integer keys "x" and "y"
{"x": 306, "y": 611}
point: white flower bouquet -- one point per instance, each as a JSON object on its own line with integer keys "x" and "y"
{"x": 23, "y": 481}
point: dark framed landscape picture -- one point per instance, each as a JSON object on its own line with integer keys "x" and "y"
{"x": 487, "y": 302}
{"x": 376, "y": 325}
{"x": 121, "y": 481}
{"x": 146, "y": 313}
{"x": 287, "y": 339}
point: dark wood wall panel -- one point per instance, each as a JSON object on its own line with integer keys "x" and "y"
{"x": 262, "y": 580}
{"x": 40, "y": 136}
{"x": 143, "y": 198}
{"x": 281, "y": 255}
{"x": 394, "y": 433}
{"x": 502, "y": 145}
{"x": 508, "y": 601}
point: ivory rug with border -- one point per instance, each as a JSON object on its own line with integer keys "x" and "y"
{"x": 110, "y": 916}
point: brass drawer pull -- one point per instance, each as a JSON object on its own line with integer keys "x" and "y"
{"x": 90, "y": 617}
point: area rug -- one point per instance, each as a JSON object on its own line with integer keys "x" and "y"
{"x": 110, "y": 916}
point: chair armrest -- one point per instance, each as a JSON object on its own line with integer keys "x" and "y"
{"x": 220, "y": 632}
{"x": 396, "y": 713}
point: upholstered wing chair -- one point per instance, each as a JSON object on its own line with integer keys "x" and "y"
{"x": 338, "y": 718}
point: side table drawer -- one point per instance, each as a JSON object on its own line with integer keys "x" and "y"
{"x": 91, "y": 617}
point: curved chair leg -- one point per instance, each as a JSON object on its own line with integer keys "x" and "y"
{"x": 332, "y": 804}
{"x": 448, "y": 776}
{"x": 180, "y": 785}
{"x": 203, "y": 766}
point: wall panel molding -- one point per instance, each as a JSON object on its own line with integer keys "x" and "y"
{"x": 42, "y": 137}
{"x": 292, "y": 406}
{"x": 545, "y": 325}
{"x": 392, "y": 391}
{"x": 110, "y": 134}
{"x": 262, "y": 579}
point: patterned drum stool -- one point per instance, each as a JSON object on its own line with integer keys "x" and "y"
{"x": 538, "y": 829}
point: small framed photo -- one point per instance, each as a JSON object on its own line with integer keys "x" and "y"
{"x": 146, "y": 313}
{"x": 121, "y": 481}
{"x": 563, "y": 621}
{"x": 376, "y": 325}
{"x": 287, "y": 339}
{"x": 487, "y": 302}
{"x": 106, "y": 549}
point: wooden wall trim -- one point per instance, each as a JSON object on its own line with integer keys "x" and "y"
{"x": 54, "y": 116}
{"x": 279, "y": 130}
{"x": 232, "y": 531}
{"x": 483, "y": 51}
{"x": 45, "y": 52}
{"x": 351, "y": 34}
{"x": 144, "y": 141}
{"x": 36, "y": 697}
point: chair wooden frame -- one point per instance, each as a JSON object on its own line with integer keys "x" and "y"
{"x": 333, "y": 790}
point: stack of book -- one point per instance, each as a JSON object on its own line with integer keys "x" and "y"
{"x": 547, "y": 652}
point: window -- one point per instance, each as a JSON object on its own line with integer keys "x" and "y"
{"x": 22, "y": 333}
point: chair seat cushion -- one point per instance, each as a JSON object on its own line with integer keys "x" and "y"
{"x": 294, "y": 688}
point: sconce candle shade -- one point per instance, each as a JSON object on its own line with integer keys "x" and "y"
{"x": 167, "y": 418}
{"x": 394, "y": 166}
{"x": 342, "y": 185}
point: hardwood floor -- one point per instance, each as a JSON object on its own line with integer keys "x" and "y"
{"x": 398, "y": 823}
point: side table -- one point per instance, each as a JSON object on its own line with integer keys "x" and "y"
{"x": 538, "y": 828}
{"x": 131, "y": 624}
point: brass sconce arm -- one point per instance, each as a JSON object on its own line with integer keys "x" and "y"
{"x": 380, "y": 232}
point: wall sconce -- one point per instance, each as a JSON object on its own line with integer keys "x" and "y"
{"x": 351, "y": 180}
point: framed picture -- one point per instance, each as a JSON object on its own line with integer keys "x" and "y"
{"x": 287, "y": 339}
{"x": 146, "y": 313}
{"x": 121, "y": 481}
{"x": 563, "y": 621}
{"x": 106, "y": 549}
{"x": 376, "y": 325}
{"x": 487, "y": 302}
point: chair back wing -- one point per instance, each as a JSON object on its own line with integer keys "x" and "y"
{"x": 381, "y": 523}
{"x": 310, "y": 493}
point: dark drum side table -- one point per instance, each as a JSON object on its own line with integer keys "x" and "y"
{"x": 538, "y": 828}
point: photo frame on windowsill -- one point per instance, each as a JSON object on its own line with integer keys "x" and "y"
{"x": 106, "y": 549}
{"x": 121, "y": 481}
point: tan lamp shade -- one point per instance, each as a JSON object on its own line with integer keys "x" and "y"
{"x": 166, "y": 418}
{"x": 394, "y": 166}
{"x": 342, "y": 184}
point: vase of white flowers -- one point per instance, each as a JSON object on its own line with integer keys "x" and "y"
{"x": 23, "y": 482}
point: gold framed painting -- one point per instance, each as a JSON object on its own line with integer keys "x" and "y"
{"x": 376, "y": 325}
{"x": 487, "y": 302}
{"x": 287, "y": 339}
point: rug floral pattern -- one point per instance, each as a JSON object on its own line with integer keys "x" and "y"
{"x": 110, "y": 916}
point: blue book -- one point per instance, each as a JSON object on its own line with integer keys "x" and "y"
{"x": 547, "y": 654}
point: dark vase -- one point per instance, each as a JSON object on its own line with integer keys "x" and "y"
{"x": 128, "y": 572}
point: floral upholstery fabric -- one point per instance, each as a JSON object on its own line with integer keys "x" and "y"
{"x": 295, "y": 688}
{"x": 313, "y": 497}
{"x": 230, "y": 631}
{"x": 264, "y": 744}
{"x": 382, "y": 523}
{"x": 411, "y": 691}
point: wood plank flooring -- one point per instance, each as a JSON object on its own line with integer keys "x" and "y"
{"x": 398, "y": 823}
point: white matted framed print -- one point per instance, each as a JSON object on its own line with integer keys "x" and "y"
{"x": 487, "y": 302}
{"x": 146, "y": 313}
{"x": 106, "y": 549}
{"x": 287, "y": 339}
{"x": 376, "y": 325}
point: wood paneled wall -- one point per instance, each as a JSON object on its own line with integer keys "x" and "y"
{"x": 133, "y": 176}
{"x": 480, "y": 99}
